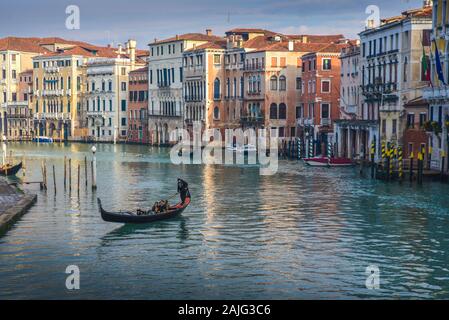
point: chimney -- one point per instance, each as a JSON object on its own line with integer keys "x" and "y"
{"x": 291, "y": 45}
{"x": 131, "y": 50}
{"x": 208, "y": 32}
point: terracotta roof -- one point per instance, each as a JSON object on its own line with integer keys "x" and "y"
{"x": 209, "y": 45}
{"x": 314, "y": 38}
{"x": 425, "y": 12}
{"x": 144, "y": 69}
{"x": 189, "y": 36}
{"x": 251, "y": 30}
{"x": 21, "y": 44}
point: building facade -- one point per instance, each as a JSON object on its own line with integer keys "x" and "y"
{"x": 437, "y": 96}
{"x": 391, "y": 71}
{"x": 138, "y": 106}
{"x": 107, "y": 92}
{"x": 320, "y": 99}
{"x": 166, "y": 77}
{"x": 16, "y": 56}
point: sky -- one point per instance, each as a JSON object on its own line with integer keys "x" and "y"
{"x": 111, "y": 22}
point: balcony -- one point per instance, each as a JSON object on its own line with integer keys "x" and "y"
{"x": 177, "y": 114}
{"x": 52, "y": 69}
{"x": 302, "y": 122}
{"x": 251, "y": 120}
{"x": 326, "y": 122}
{"x": 52, "y": 116}
{"x": 254, "y": 67}
{"x": 52, "y": 92}
{"x": 437, "y": 94}
{"x": 351, "y": 109}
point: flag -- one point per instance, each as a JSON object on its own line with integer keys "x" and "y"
{"x": 438, "y": 64}
{"x": 425, "y": 66}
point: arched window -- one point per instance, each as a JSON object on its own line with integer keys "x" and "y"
{"x": 273, "y": 111}
{"x": 282, "y": 111}
{"x": 216, "y": 113}
{"x": 228, "y": 88}
{"x": 258, "y": 84}
{"x": 217, "y": 89}
{"x": 250, "y": 84}
{"x": 235, "y": 88}
{"x": 242, "y": 87}
{"x": 274, "y": 83}
{"x": 282, "y": 83}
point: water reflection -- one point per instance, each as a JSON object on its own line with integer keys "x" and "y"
{"x": 303, "y": 233}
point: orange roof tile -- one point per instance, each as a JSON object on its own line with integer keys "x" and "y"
{"x": 189, "y": 36}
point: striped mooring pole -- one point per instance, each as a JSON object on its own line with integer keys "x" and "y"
{"x": 401, "y": 163}
{"x": 384, "y": 153}
{"x": 299, "y": 148}
{"x": 392, "y": 153}
{"x": 311, "y": 153}
{"x": 329, "y": 150}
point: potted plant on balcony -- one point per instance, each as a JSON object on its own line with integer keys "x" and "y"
{"x": 428, "y": 126}
{"x": 437, "y": 128}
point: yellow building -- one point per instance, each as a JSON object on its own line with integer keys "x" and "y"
{"x": 16, "y": 56}
{"x": 58, "y": 90}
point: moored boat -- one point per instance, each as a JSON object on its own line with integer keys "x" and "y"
{"x": 43, "y": 140}
{"x": 141, "y": 217}
{"x": 8, "y": 170}
{"x": 326, "y": 162}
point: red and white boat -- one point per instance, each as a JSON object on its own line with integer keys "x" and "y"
{"x": 326, "y": 162}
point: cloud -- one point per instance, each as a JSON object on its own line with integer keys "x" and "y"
{"x": 103, "y": 21}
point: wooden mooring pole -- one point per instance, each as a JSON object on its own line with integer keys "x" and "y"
{"x": 54, "y": 178}
{"x": 85, "y": 169}
{"x": 70, "y": 174}
{"x": 65, "y": 172}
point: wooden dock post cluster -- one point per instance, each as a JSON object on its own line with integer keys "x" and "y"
{"x": 68, "y": 174}
{"x": 392, "y": 166}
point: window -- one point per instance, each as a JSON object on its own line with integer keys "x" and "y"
{"x": 123, "y": 105}
{"x": 410, "y": 120}
{"x": 325, "y": 112}
{"x": 273, "y": 111}
{"x": 298, "y": 84}
{"x": 274, "y": 62}
{"x": 325, "y": 86}
{"x": 422, "y": 119}
{"x": 14, "y": 74}
{"x": 395, "y": 126}
{"x": 123, "y": 121}
{"x": 282, "y": 83}
{"x": 217, "y": 59}
{"x": 123, "y": 86}
{"x": 282, "y": 111}
{"x": 217, "y": 89}
{"x": 327, "y": 64}
{"x": 299, "y": 112}
{"x": 123, "y": 71}
{"x": 216, "y": 113}
{"x": 273, "y": 83}
{"x": 283, "y": 62}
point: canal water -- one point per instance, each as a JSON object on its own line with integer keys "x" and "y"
{"x": 301, "y": 234}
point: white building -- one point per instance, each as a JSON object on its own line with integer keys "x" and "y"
{"x": 391, "y": 56}
{"x": 106, "y": 99}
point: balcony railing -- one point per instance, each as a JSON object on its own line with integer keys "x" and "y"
{"x": 252, "y": 120}
{"x": 254, "y": 67}
{"x": 52, "y": 116}
{"x": 164, "y": 114}
{"x": 326, "y": 122}
{"x": 301, "y": 122}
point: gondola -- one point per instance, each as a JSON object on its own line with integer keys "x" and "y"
{"x": 9, "y": 170}
{"x": 139, "y": 218}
